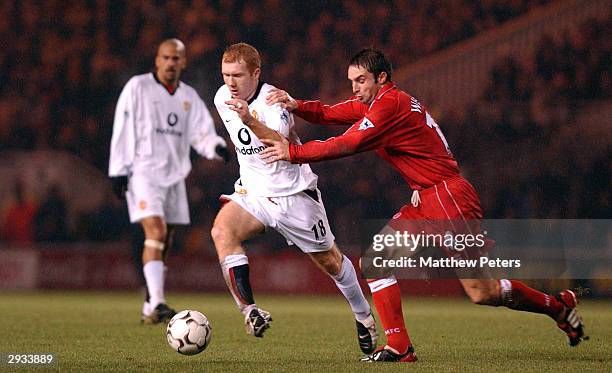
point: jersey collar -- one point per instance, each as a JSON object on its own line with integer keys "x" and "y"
{"x": 166, "y": 88}
{"x": 383, "y": 90}
{"x": 257, "y": 91}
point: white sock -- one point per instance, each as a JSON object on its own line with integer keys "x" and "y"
{"x": 348, "y": 284}
{"x": 244, "y": 300}
{"x": 146, "y": 308}
{"x": 154, "y": 276}
{"x": 381, "y": 283}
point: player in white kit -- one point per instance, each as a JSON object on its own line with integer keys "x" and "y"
{"x": 157, "y": 119}
{"x": 282, "y": 196}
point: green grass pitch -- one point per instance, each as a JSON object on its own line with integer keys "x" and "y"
{"x": 101, "y": 331}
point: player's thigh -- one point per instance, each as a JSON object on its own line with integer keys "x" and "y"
{"x": 303, "y": 221}
{"x": 235, "y": 224}
{"x": 175, "y": 204}
{"x": 144, "y": 199}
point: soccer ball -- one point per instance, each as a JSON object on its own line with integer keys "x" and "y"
{"x": 189, "y": 332}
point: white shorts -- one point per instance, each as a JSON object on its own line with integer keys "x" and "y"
{"x": 145, "y": 198}
{"x": 300, "y": 218}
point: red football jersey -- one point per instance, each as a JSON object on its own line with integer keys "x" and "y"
{"x": 395, "y": 124}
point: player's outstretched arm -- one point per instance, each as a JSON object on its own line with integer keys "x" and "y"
{"x": 341, "y": 113}
{"x": 278, "y": 96}
{"x": 277, "y": 150}
{"x": 363, "y": 136}
{"x": 259, "y": 129}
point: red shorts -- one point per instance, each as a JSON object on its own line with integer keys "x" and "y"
{"x": 449, "y": 212}
{"x": 451, "y": 205}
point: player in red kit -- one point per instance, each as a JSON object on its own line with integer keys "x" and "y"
{"x": 401, "y": 131}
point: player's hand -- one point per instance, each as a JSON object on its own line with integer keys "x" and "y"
{"x": 276, "y": 150}
{"x": 120, "y": 186}
{"x": 222, "y": 152}
{"x": 241, "y": 108}
{"x": 278, "y": 96}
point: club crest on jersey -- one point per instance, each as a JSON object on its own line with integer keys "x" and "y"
{"x": 186, "y": 105}
{"x": 365, "y": 124}
{"x": 284, "y": 116}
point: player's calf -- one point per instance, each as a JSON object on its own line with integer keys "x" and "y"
{"x": 329, "y": 261}
{"x": 236, "y": 273}
{"x": 346, "y": 280}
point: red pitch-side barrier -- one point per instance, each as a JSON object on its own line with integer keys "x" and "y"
{"x": 112, "y": 268}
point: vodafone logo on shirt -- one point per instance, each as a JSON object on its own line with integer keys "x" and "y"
{"x": 250, "y": 150}
{"x": 244, "y": 136}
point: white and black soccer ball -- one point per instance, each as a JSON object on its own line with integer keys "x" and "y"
{"x": 189, "y": 332}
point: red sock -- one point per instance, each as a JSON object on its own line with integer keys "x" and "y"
{"x": 518, "y": 296}
{"x": 388, "y": 303}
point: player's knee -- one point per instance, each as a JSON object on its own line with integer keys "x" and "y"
{"x": 222, "y": 236}
{"x": 152, "y": 244}
{"x": 156, "y": 232}
{"x": 153, "y": 250}
{"x": 483, "y": 297}
{"x": 217, "y": 234}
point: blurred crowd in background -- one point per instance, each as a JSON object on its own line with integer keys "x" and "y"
{"x": 64, "y": 64}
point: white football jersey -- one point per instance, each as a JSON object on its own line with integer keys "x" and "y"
{"x": 154, "y": 129}
{"x": 256, "y": 176}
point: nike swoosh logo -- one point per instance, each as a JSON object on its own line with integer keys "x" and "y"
{"x": 228, "y": 120}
